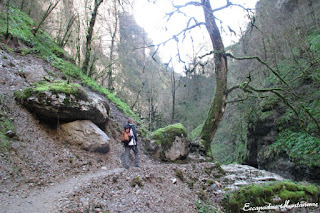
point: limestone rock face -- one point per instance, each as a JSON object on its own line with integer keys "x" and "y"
{"x": 86, "y": 135}
{"x": 178, "y": 150}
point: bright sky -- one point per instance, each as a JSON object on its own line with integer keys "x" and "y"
{"x": 151, "y": 16}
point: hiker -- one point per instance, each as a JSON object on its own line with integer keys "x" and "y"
{"x": 132, "y": 144}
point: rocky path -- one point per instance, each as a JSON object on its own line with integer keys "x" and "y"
{"x": 43, "y": 174}
{"x": 46, "y": 199}
{"x": 161, "y": 190}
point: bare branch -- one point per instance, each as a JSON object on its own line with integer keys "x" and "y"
{"x": 262, "y": 62}
{"x": 228, "y": 4}
{"x": 312, "y": 117}
{"x": 191, "y": 3}
{"x": 155, "y": 52}
{"x": 174, "y": 37}
{"x": 47, "y": 13}
{"x": 238, "y": 100}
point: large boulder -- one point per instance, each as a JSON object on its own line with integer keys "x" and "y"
{"x": 86, "y": 135}
{"x": 65, "y": 102}
{"x": 169, "y": 143}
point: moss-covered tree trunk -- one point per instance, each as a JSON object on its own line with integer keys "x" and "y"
{"x": 218, "y": 104}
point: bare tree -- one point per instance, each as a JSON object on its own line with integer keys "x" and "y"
{"x": 45, "y": 15}
{"x": 85, "y": 65}
{"x": 7, "y": 7}
{"x": 218, "y": 104}
{"x": 63, "y": 41}
{"x": 113, "y": 29}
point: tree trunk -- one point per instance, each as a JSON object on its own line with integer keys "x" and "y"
{"x": 218, "y": 104}
{"x": 85, "y": 64}
{"x": 173, "y": 84}
{"x": 7, "y": 31}
{"x": 113, "y": 44}
{"x": 45, "y": 16}
{"x": 67, "y": 33}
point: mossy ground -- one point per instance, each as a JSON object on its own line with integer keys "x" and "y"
{"x": 274, "y": 193}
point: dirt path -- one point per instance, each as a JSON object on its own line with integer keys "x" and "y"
{"x": 46, "y": 199}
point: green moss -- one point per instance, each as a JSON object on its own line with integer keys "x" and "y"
{"x": 311, "y": 189}
{"x": 166, "y": 136}
{"x": 196, "y": 132}
{"x": 179, "y": 174}
{"x": 261, "y": 195}
{"x": 137, "y": 181}
{"x": 205, "y": 207}
{"x": 290, "y": 185}
{"x": 54, "y": 87}
{"x": 190, "y": 184}
{"x": 288, "y": 195}
{"x": 314, "y": 40}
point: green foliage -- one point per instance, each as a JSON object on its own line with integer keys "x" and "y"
{"x": 179, "y": 174}
{"x": 19, "y": 26}
{"x": 302, "y": 147}
{"x": 196, "y": 132}
{"x": 314, "y": 40}
{"x": 6, "y": 124}
{"x": 262, "y": 195}
{"x": 230, "y": 146}
{"x": 137, "y": 181}
{"x": 206, "y": 207}
{"x": 165, "y": 136}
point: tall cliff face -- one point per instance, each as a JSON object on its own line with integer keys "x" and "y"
{"x": 285, "y": 36}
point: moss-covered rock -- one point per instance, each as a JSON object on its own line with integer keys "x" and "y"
{"x": 54, "y": 87}
{"x": 63, "y": 101}
{"x": 170, "y": 143}
{"x": 276, "y": 193}
{"x": 165, "y": 136}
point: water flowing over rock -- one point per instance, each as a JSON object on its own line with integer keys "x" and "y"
{"x": 241, "y": 175}
{"x": 86, "y": 135}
